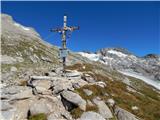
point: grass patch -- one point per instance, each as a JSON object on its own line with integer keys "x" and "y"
{"x": 76, "y": 113}
{"x": 40, "y": 116}
{"x": 80, "y": 67}
{"x": 97, "y": 91}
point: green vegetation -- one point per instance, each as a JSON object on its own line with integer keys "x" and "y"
{"x": 76, "y": 113}
{"x": 40, "y": 116}
{"x": 97, "y": 91}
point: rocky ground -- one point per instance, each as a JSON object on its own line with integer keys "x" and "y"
{"x": 55, "y": 96}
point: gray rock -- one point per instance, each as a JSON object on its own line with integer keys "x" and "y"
{"x": 103, "y": 108}
{"x": 87, "y": 92}
{"x": 124, "y": 115}
{"x": 41, "y": 106}
{"x": 100, "y": 83}
{"x": 13, "y": 89}
{"x": 42, "y": 86}
{"x": 73, "y": 98}
{"x": 73, "y": 74}
{"x": 5, "y": 105}
{"x": 8, "y": 115}
{"x": 88, "y": 78}
{"x": 14, "y": 93}
{"x": 61, "y": 84}
{"x": 91, "y": 116}
{"x": 25, "y": 94}
{"x": 22, "y": 107}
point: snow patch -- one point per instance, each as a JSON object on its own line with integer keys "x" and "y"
{"x": 154, "y": 83}
{"x": 92, "y": 56}
{"x": 24, "y": 28}
{"x": 117, "y": 53}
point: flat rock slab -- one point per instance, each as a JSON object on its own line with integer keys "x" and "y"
{"x": 74, "y": 98}
{"x": 41, "y": 106}
{"x": 103, "y": 108}
{"x": 91, "y": 116}
{"x": 100, "y": 83}
{"x": 73, "y": 74}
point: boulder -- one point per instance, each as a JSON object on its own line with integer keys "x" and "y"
{"x": 88, "y": 78}
{"x": 11, "y": 90}
{"x": 103, "y": 109}
{"x": 42, "y": 86}
{"x": 41, "y": 106}
{"x": 61, "y": 84}
{"x": 27, "y": 93}
{"x": 22, "y": 107}
{"x": 91, "y": 116}
{"x": 124, "y": 115}
{"x": 111, "y": 102}
{"x": 5, "y": 105}
{"x": 8, "y": 115}
{"x": 74, "y": 99}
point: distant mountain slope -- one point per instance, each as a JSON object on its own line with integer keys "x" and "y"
{"x": 122, "y": 60}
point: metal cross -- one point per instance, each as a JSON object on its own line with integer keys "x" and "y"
{"x": 65, "y": 31}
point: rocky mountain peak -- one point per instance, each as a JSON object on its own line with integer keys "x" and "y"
{"x": 118, "y": 51}
{"x": 14, "y": 29}
{"x": 152, "y": 56}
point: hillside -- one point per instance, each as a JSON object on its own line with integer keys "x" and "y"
{"x": 94, "y": 87}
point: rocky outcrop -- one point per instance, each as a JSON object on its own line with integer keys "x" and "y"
{"x": 122, "y": 59}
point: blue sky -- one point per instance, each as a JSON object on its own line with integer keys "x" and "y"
{"x": 131, "y": 25}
